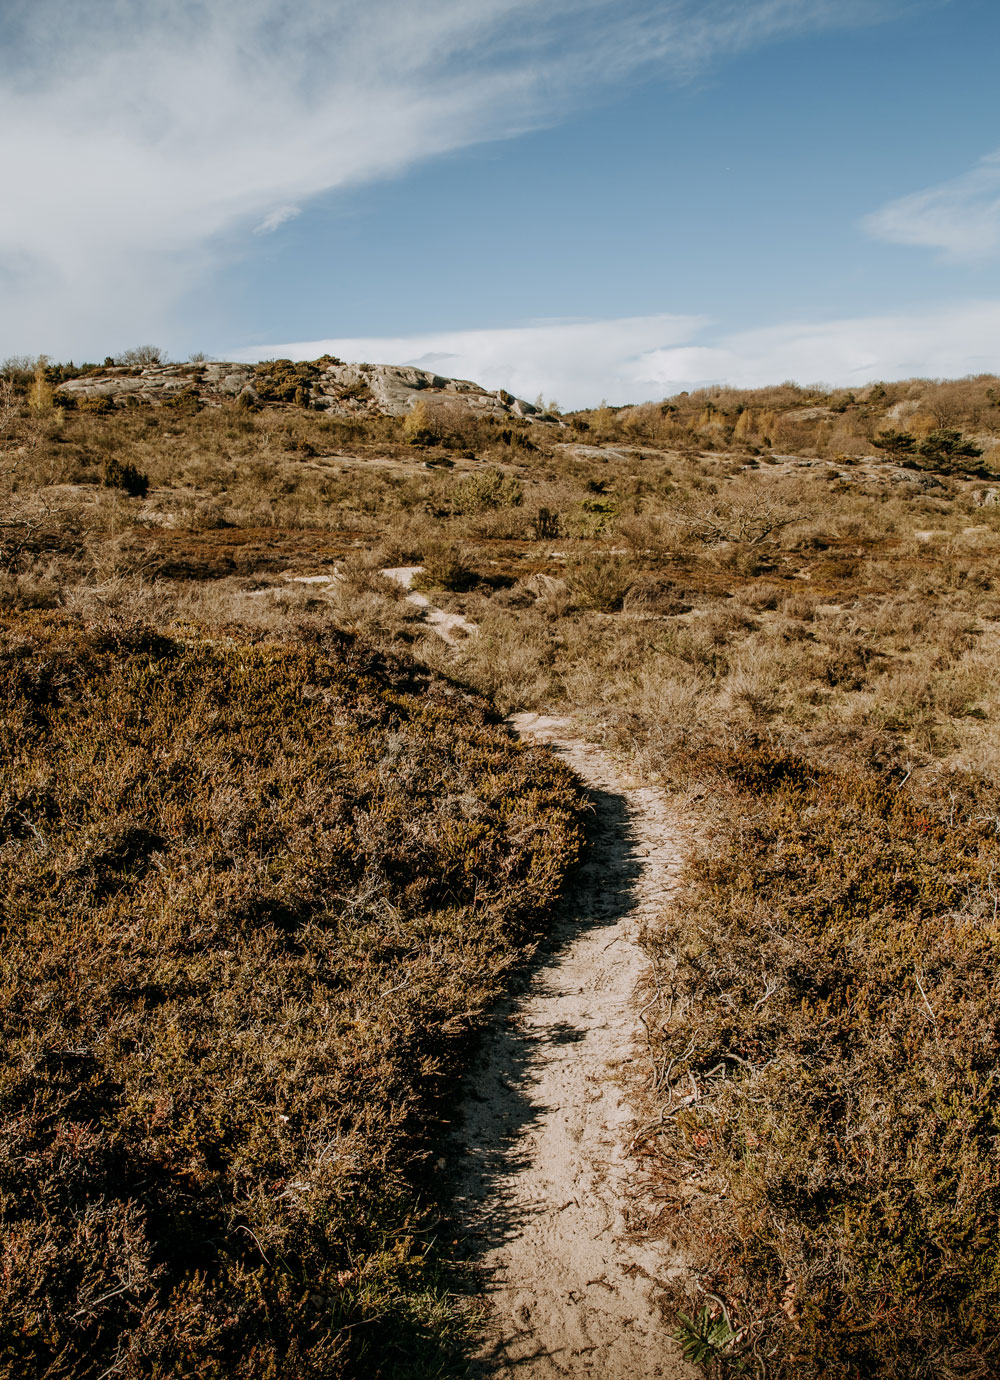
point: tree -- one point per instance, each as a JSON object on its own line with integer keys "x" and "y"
{"x": 896, "y": 444}
{"x": 946, "y": 449}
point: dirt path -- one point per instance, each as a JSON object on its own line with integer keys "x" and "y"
{"x": 452, "y": 627}
{"x": 545, "y": 1181}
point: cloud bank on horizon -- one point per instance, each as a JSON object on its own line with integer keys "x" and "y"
{"x": 141, "y": 144}
{"x": 638, "y": 359}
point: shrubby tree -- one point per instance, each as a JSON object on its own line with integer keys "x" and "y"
{"x": 142, "y": 355}
{"x": 946, "y": 451}
{"x": 120, "y": 474}
{"x": 896, "y": 444}
{"x": 16, "y": 366}
{"x": 945, "y": 446}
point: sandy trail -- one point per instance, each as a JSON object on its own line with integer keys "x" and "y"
{"x": 544, "y": 1178}
{"x": 452, "y": 627}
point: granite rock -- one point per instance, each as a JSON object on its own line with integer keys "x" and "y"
{"x": 330, "y": 386}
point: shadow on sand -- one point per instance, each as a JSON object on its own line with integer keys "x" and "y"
{"x": 501, "y": 1097}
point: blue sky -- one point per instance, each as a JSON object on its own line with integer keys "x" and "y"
{"x": 585, "y": 199}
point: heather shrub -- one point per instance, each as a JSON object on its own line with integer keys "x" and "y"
{"x": 600, "y": 582}
{"x": 255, "y": 897}
{"x": 121, "y": 474}
{"x": 834, "y": 962}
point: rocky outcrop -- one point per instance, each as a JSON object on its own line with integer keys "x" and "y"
{"x": 326, "y": 385}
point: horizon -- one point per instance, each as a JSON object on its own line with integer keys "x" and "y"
{"x": 26, "y": 363}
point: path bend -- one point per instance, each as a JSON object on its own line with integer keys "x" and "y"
{"x": 545, "y": 1183}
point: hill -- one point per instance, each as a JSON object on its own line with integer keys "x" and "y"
{"x": 919, "y": 423}
{"x": 790, "y": 622}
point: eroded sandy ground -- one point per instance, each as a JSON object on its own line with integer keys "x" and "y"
{"x": 545, "y": 1181}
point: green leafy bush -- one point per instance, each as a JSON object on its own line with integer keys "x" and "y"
{"x": 486, "y": 490}
{"x": 285, "y": 380}
{"x": 185, "y": 400}
{"x": 100, "y": 405}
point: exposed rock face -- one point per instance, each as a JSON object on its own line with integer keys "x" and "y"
{"x": 327, "y": 385}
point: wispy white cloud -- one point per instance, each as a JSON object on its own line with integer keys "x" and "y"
{"x": 634, "y": 359}
{"x": 139, "y": 142}
{"x": 960, "y": 217}
{"x": 278, "y": 217}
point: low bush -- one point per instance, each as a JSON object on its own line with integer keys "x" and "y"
{"x": 120, "y": 474}
{"x": 828, "y": 997}
{"x": 546, "y": 524}
{"x": 185, "y": 400}
{"x": 600, "y": 582}
{"x": 486, "y": 490}
{"x": 255, "y": 899}
{"x": 419, "y": 427}
{"x": 97, "y": 406}
{"x": 447, "y": 567}
{"x": 285, "y": 380}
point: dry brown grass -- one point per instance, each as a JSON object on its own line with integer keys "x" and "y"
{"x": 800, "y": 421}
{"x": 810, "y": 652}
{"x": 257, "y": 896}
